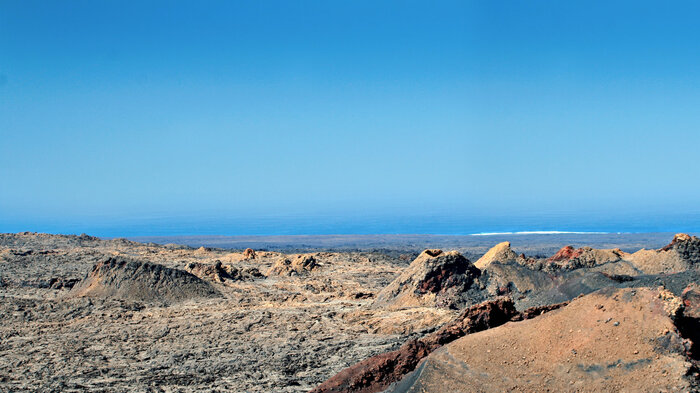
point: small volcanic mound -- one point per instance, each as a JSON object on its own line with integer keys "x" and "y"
{"x": 299, "y": 265}
{"x": 132, "y": 280}
{"x": 434, "y": 278}
{"x": 501, "y": 253}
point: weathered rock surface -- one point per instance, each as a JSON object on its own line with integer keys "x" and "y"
{"x": 217, "y": 272}
{"x": 613, "y": 340}
{"x": 434, "y": 278}
{"x": 126, "y": 279}
{"x": 300, "y": 264}
{"x": 501, "y": 253}
{"x": 285, "y": 334}
{"x": 681, "y": 254}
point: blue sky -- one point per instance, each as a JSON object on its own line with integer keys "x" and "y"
{"x": 250, "y": 117}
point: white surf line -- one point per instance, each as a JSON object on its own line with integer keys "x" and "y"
{"x": 541, "y": 233}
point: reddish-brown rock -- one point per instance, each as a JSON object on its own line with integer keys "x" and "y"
{"x": 249, "y": 253}
{"x": 378, "y": 372}
{"x": 566, "y": 253}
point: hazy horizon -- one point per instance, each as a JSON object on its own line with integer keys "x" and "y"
{"x": 311, "y": 117}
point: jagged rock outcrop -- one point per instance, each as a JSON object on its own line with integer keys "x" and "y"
{"x": 434, "y": 278}
{"x": 501, "y": 253}
{"x": 569, "y": 258}
{"x": 689, "y": 321}
{"x": 222, "y": 273}
{"x": 249, "y": 253}
{"x": 299, "y": 265}
{"x": 213, "y": 272}
{"x": 127, "y": 279}
{"x": 681, "y": 254}
{"x": 611, "y": 340}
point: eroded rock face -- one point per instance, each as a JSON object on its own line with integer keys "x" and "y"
{"x": 689, "y": 321}
{"x": 611, "y": 340}
{"x": 299, "y": 265}
{"x": 434, "y": 278}
{"x": 127, "y": 279}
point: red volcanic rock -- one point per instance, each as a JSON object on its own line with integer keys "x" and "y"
{"x": 378, "y": 372}
{"x": 569, "y": 258}
{"x": 565, "y": 254}
{"x": 533, "y": 312}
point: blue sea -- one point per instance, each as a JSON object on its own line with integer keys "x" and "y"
{"x": 356, "y": 223}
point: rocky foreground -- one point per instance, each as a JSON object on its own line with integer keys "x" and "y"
{"x": 84, "y": 314}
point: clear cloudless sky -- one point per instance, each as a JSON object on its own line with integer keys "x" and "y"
{"x": 273, "y": 117}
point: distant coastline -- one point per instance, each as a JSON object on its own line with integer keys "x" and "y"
{"x": 544, "y": 233}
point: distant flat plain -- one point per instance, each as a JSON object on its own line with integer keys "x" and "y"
{"x": 471, "y": 245}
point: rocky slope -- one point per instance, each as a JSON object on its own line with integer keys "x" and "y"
{"x": 613, "y": 340}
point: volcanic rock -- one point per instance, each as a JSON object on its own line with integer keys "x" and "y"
{"x": 569, "y": 258}
{"x": 213, "y": 272}
{"x": 434, "y": 278}
{"x": 221, "y": 273}
{"x": 132, "y": 280}
{"x": 249, "y": 253}
{"x": 499, "y": 253}
{"x": 681, "y": 254}
{"x": 378, "y": 372}
{"x": 611, "y": 340}
{"x": 299, "y": 265}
